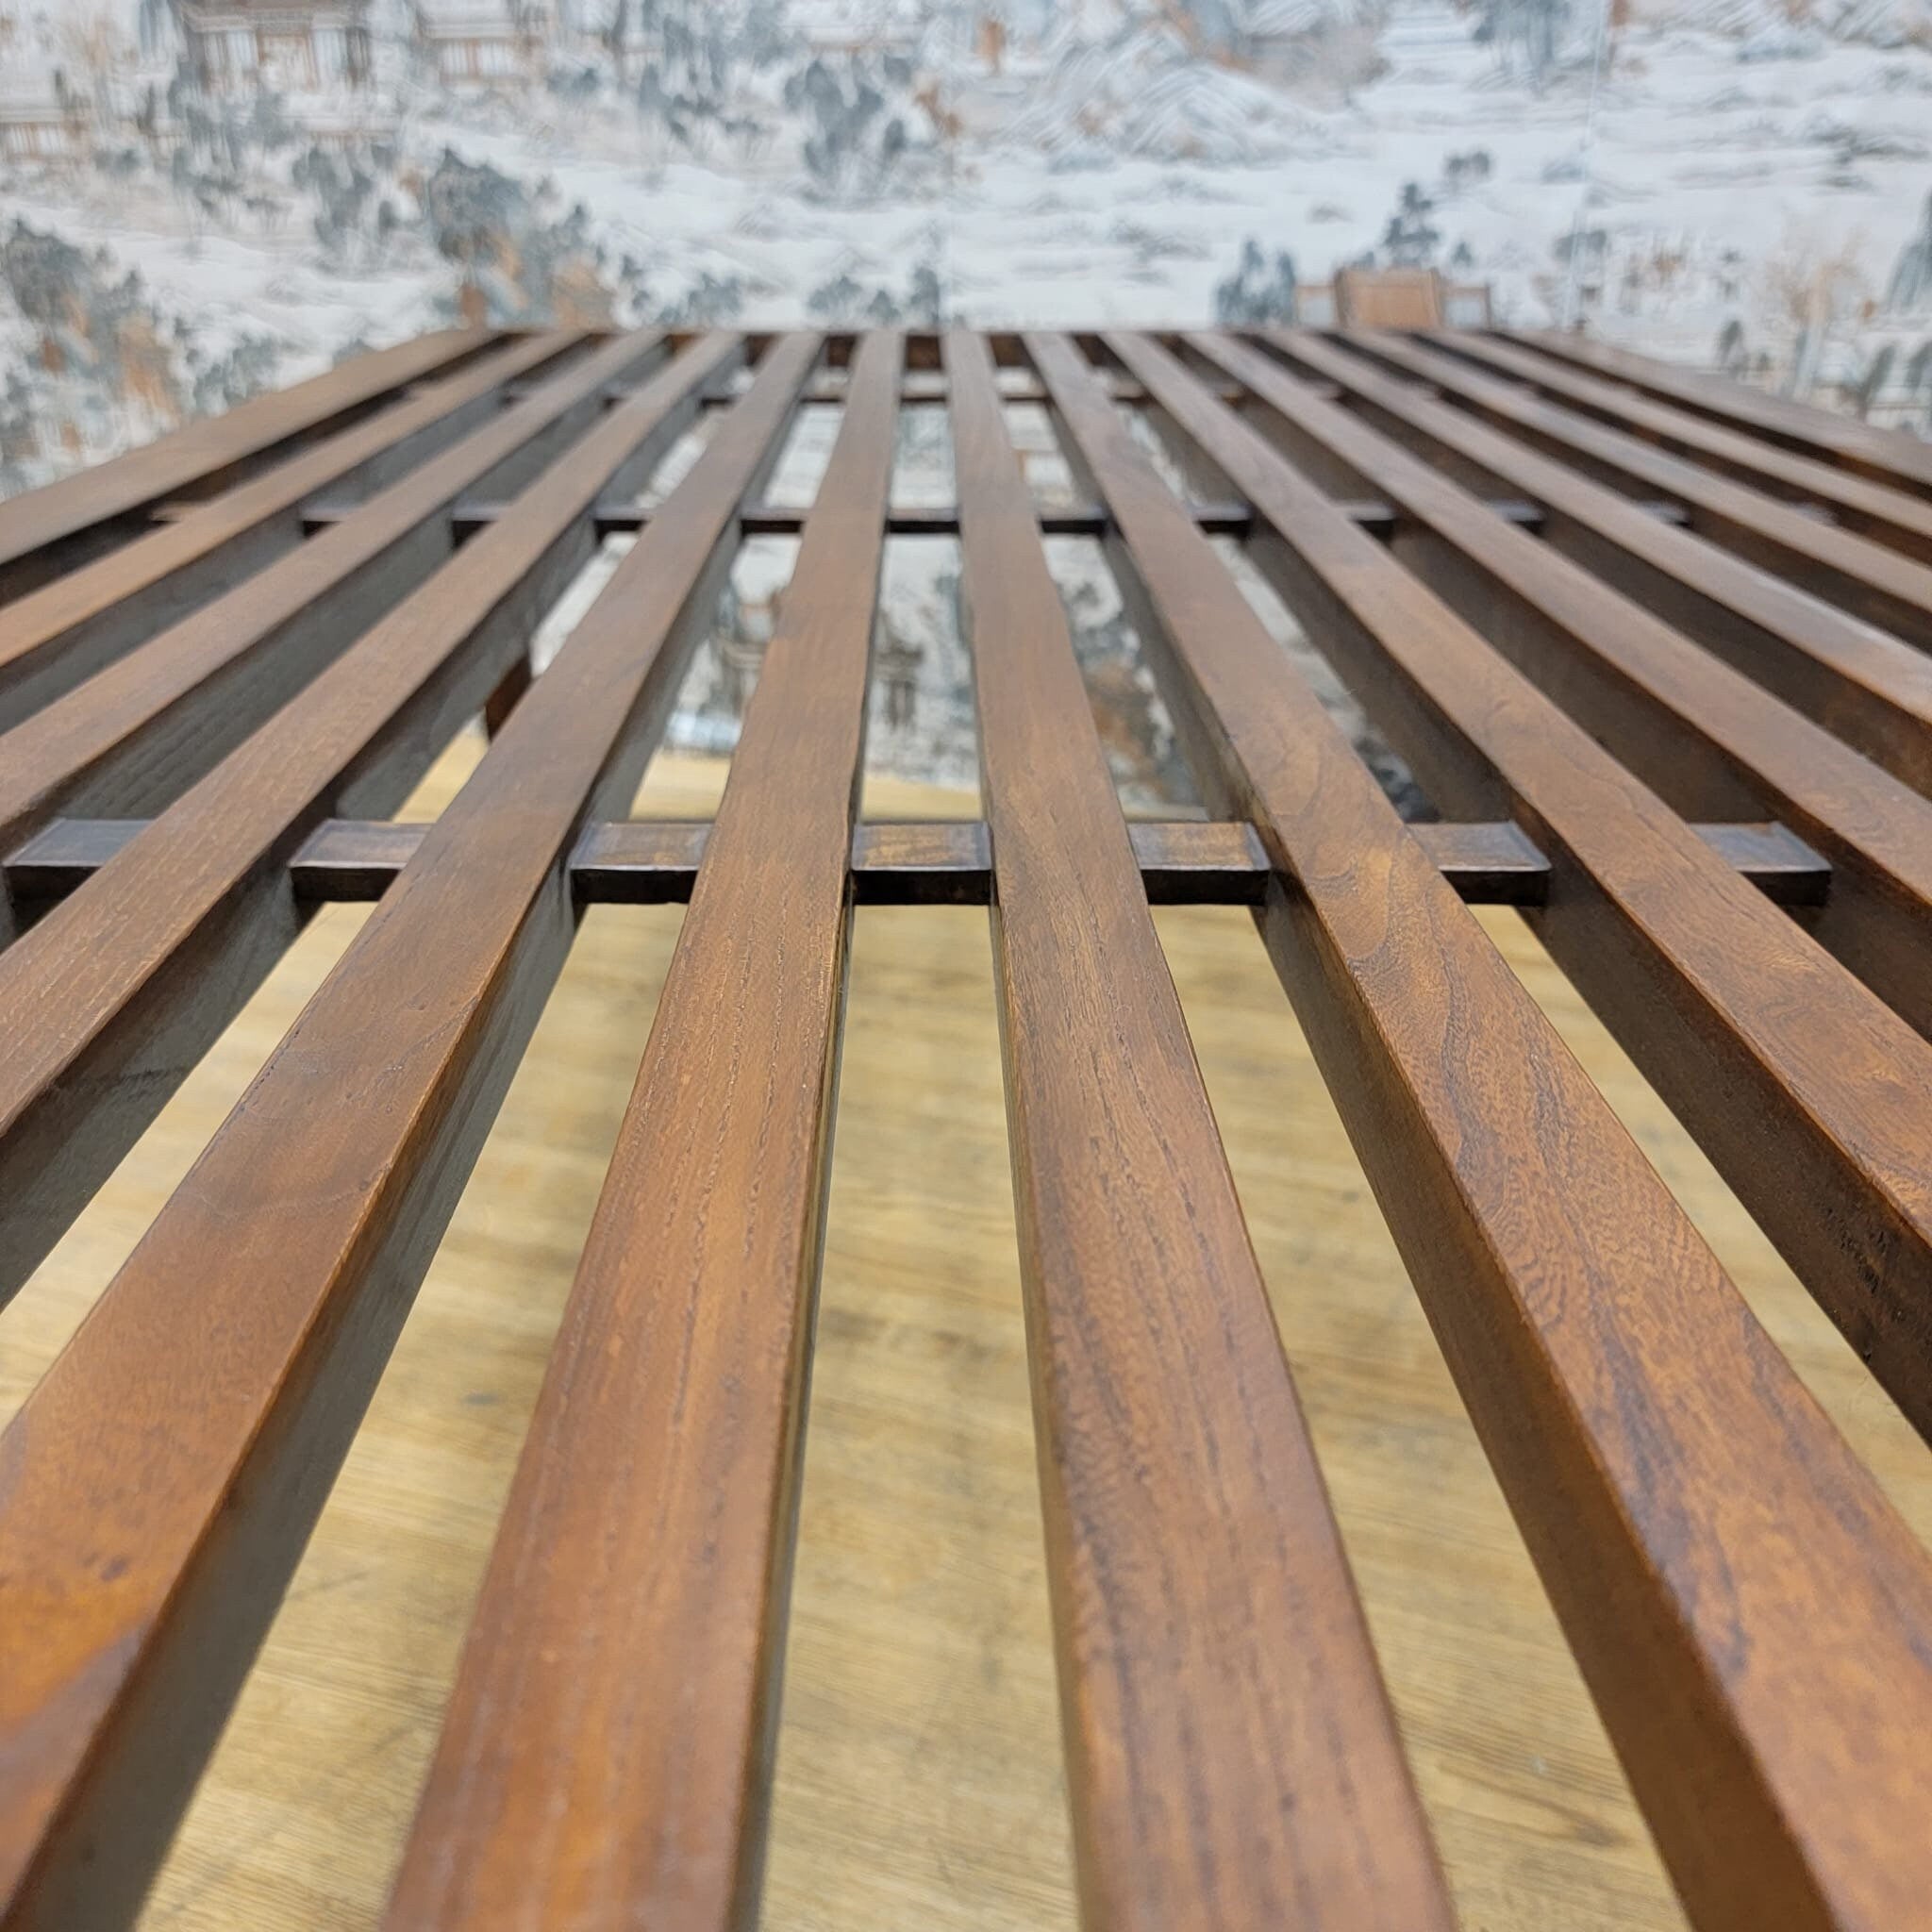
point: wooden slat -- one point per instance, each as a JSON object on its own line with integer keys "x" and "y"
{"x": 123, "y": 742}
{"x": 1895, "y": 518}
{"x": 1871, "y": 688}
{"x": 197, "y": 1419}
{"x": 633, "y": 1787}
{"x": 120, "y": 989}
{"x": 1232, "y": 1756}
{"x": 63, "y": 632}
{"x": 1889, "y": 456}
{"x": 1862, "y": 578}
{"x": 1811, "y": 1096}
{"x": 1751, "y": 1617}
{"x": 53, "y": 529}
{"x": 1703, "y": 733}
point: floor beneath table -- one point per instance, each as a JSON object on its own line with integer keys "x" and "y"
{"x": 919, "y": 1782}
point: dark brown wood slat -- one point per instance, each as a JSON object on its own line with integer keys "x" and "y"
{"x": 50, "y": 530}
{"x": 1676, "y": 716}
{"x": 1895, "y": 518}
{"x": 1862, "y": 578}
{"x": 119, "y": 990}
{"x": 1889, "y": 456}
{"x": 124, "y": 741}
{"x": 63, "y": 632}
{"x": 1812, "y": 1097}
{"x": 1871, "y": 688}
{"x": 633, "y": 1785}
{"x": 1742, "y": 1600}
{"x": 197, "y": 1419}
{"x": 1232, "y": 1756}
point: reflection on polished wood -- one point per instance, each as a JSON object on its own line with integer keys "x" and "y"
{"x": 919, "y": 1770}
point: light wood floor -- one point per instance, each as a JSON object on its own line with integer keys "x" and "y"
{"x": 919, "y": 1779}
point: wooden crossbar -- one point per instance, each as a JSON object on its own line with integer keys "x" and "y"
{"x": 931, "y": 862}
{"x": 1654, "y": 648}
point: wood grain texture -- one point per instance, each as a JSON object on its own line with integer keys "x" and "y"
{"x": 199, "y": 1451}
{"x": 1892, "y": 456}
{"x": 53, "y": 529}
{"x": 634, "y": 1610}
{"x": 1232, "y": 1756}
{"x": 1749, "y": 1611}
{"x": 130, "y": 737}
{"x": 1715, "y": 992}
{"x": 60, "y": 634}
{"x": 1864, "y": 684}
{"x": 1696, "y": 1519}
{"x": 116, "y": 992}
{"x": 919, "y": 1769}
{"x": 1892, "y": 516}
{"x": 1699, "y": 731}
{"x": 1862, "y": 578}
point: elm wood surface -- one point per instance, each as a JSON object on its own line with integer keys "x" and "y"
{"x": 919, "y": 1777}
{"x": 307, "y": 1225}
{"x": 61, "y": 633}
{"x": 53, "y": 529}
{"x": 1689, "y": 1506}
{"x": 1892, "y": 516}
{"x": 1812, "y": 1097}
{"x": 131, "y": 735}
{"x": 1889, "y": 455}
{"x": 1865, "y": 579}
{"x": 1231, "y": 1754}
{"x": 122, "y": 987}
{"x": 1872, "y": 688}
{"x": 633, "y": 1785}
{"x": 395, "y": 1172}
{"x": 1701, "y": 732}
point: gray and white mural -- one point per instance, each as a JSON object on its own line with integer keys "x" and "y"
{"x": 203, "y": 198}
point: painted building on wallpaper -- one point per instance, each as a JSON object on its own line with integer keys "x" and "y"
{"x": 41, "y": 119}
{"x": 484, "y": 43}
{"x": 290, "y": 46}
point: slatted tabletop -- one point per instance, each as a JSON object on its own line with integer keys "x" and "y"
{"x": 1654, "y": 651}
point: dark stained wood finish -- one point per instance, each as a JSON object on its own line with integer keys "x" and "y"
{"x": 199, "y": 1452}
{"x": 1811, "y": 1096}
{"x": 1205, "y": 1618}
{"x": 1895, "y": 518}
{"x": 51, "y": 530}
{"x": 279, "y": 641}
{"x": 120, "y": 990}
{"x": 633, "y": 1788}
{"x": 1889, "y": 456}
{"x": 1871, "y": 688}
{"x": 1698, "y": 730}
{"x": 1701, "y": 1527}
{"x": 68, "y": 629}
{"x": 1865, "y": 579}
{"x": 130, "y": 737}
